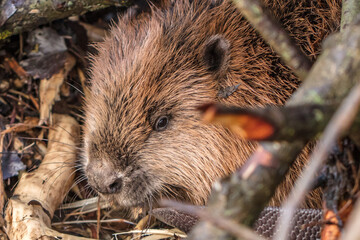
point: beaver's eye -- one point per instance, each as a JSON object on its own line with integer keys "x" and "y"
{"x": 161, "y": 123}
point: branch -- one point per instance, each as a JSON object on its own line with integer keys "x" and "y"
{"x": 340, "y": 123}
{"x": 20, "y": 16}
{"x": 276, "y": 36}
{"x": 247, "y": 192}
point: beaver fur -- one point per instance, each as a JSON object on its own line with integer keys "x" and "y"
{"x": 156, "y": 70}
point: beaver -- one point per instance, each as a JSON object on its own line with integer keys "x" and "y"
{"x": 143, "y": 135}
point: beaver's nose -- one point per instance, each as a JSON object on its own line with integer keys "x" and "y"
{"x": 109, "y": 185}
{"x": 103, "y": 177}
{"x": 116, "y": 186}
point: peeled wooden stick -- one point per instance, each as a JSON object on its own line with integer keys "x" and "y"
{"x": 50, "y": 89}
{"x": 39, "y": 193}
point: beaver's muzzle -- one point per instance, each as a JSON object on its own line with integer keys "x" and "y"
{"x": 103, "y": 177}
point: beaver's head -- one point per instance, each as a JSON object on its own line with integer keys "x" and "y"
{"x": 144, "y": 138}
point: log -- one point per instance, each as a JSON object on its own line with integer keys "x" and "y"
{"x": 21, "y": 16}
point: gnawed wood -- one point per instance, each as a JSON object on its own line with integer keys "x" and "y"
{"x": 39, "y": 193}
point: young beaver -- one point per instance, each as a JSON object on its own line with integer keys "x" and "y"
{"x": 144, "y": 138}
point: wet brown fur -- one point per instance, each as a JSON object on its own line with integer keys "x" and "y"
{"x": 155, "y": 66}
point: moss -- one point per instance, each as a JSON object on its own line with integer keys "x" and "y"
{"x": 70, "y": 4}
{"x": 5, "y": 34}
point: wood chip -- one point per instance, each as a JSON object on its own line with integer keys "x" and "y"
{"x": 50, "y": 89}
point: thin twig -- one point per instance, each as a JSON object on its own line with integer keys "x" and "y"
{"x": 98, "y": 224}
{"x": 275, "y": 35}
{"x": 143, "y": 233}
{"x": 341, "y": 121}
{"x": 18, "y": 100}
{"x": 230, "y": 226}
{"x": 2, "y": 187}
{"x": 115, "y": 220}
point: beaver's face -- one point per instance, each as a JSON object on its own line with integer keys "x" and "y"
{"x": 144, "y": 138}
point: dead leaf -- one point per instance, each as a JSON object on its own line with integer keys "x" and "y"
{"x": 29, "y": 123}
{"x": 243, "y": 123}
{"x": 11, "y": 164}
{"x": 330, "y": 231}
{"x": 44, "y": 66}
{"x": 95, "y": 34}
{"x": 11, "y": 63}
{"x": 47, "y": 53}
{"x": 45, "y": 41}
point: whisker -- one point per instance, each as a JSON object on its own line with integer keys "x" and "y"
{"x": 64, "y": 164}
{"x": 56, "y": 125}
{"x": 59, "y": 174}
{"x": 76, "y": 88}
{"x": 77, "y": 181}
{"x": 69, "y": 152}
{"x": 82, "y": 117}
{"x": 49, "y": 140}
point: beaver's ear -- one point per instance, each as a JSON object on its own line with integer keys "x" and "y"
{"x": 216, "y": 53}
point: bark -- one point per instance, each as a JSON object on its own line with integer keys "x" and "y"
{"x": 25, "y": 15}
